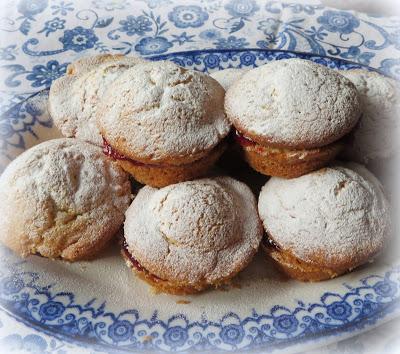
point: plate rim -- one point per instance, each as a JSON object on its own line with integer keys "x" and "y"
{"x": 311, "y": 342}
{"x": 247, "y": 49}
{"x": 339, "y": 332}
{"x": 388, "y": 312}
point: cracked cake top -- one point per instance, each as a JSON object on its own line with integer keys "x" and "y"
{"x": 162, "y": 113}
{"x": 294, "y": 104}
{"x": 73, "y": 98}
{"x": 62, "y": 198}
{"x": 337, "y": 215}
{"x": 203, "y": 230}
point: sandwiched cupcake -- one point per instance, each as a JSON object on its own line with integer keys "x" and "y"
{"x": 73, "y": 98}
{"x": 190, "y": 236}
{"x": 290, "y": 116}
{"x": 376, "y": 136}
{"x": 163, "y": 124}
{"x": 62, "y": 198}
{"x": 326, "y": 223}
{"x": 228, "y": 76}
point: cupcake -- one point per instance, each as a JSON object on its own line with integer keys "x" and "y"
{"x": 326, "y": 223}
{"x": 187, "y": 237}
{"x": 228, "y": 76}
{"x": 376, "y": 136}
{"x": 73, "y": 98}
{"x": 163, "y": 124}
{"x": 62, "y": 199}
{"x": 291, "y": 116}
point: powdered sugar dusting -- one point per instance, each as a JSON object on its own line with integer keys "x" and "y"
{"x": 376, "y": 136}
{"x": 228, "y": 76}
{"x": 205, "y": 229}
{"x": 338, "y": 213}
{"x": 74, "y": 98}
{"x": 294, "y": 103}
{"x": 160, "y": 112}
{"x": 61, "y": 198}
{"x": 88, "y": 63}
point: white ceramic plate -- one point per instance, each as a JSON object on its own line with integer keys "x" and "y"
{"x": 102, "y": 305}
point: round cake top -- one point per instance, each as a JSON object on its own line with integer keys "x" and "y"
{"x": 206, "y": 229}
{"x": 61, "y": 198}
{"x": 228, "y": 76}
{"x": 376, "y": 135}
{"x": 73, "y": 98}
{"x": 293, "y": 103}
{"x": 336, "y": 217}
{"x": 162, "y": 113}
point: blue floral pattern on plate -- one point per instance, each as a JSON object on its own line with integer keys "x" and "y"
{"x": 349, "y": 309}
{"x": 53, "y": 30}
{"x": 31, "y": 343}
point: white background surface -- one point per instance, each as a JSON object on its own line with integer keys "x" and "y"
{"x": 377, "y": 7}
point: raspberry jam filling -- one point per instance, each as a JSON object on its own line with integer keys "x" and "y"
{"x": 136, "y": 264}
{"x": 242, "y": 140}
{"x": 109, "y": 151}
